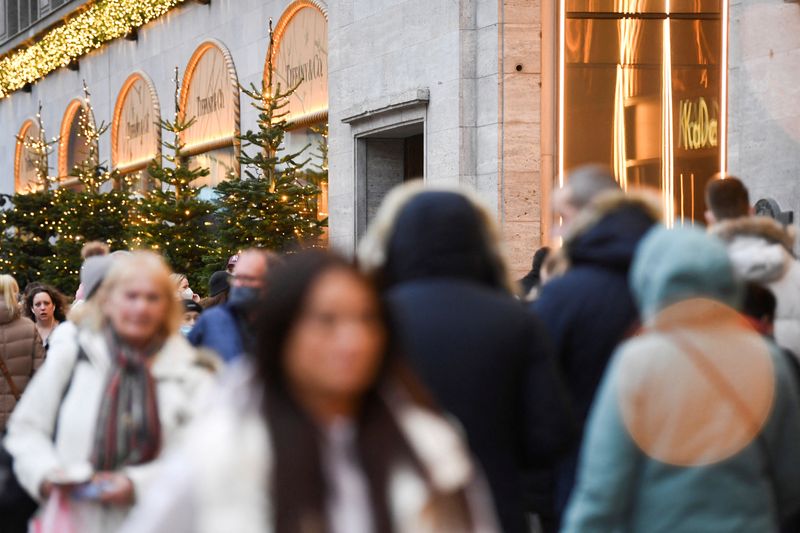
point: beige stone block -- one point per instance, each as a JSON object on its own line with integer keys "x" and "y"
{"x": 522, "y": 45}
{"x": 522, "y": 11}
{"x": 521, "y": 197}
{"x": 522, "y": 98}
{"x": 521, "y": 147}
{"x": 520, "y": 241}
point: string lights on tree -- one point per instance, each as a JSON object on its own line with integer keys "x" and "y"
{"x": 174, "y": 219}
{"x": 274, "y": 207}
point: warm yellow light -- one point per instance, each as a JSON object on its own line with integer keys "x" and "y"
{"x": 723, "y": 107}
{"x": 562, "y": 24}
{"x": 102, "y": 21}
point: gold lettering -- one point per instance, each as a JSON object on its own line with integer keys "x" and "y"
{"x": 697, "y": 129}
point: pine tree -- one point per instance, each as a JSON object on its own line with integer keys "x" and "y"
{"x": 173, "y": 219}
{"x": 273, "y": 207}
{"x": 28, "y": 219}
{"x": 93, "y": 213}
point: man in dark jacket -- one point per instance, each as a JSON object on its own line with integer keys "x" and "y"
{"x": 589, "y": 309}
{"x": 227, "y": 328}
{"x": 483, "y": 357}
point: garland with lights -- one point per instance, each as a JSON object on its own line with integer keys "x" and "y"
{"x": 276, "y": 207}
{"x": 102, "y": 21}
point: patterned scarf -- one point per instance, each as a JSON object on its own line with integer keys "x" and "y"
{"x": 128, "y": 429}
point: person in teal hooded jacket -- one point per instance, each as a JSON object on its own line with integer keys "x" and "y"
{"x": 697, "y": 421}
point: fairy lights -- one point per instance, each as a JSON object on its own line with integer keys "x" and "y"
{"x": 103, "y": 21}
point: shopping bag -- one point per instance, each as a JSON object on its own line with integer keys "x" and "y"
{"x": 56, "y": 515}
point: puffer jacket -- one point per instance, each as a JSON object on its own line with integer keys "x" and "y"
{"x": 589, "y": 309}
{"x": 218, "y": 481}
{"x": 761, "y": 251}
{"x": 22, "y": 352}
{"x": 53, "y": 426}
{"x": 695, "y": 425}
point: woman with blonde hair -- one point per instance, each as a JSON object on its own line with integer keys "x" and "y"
{"x": 117, "y": 389}
{"x": 436, "y": 254}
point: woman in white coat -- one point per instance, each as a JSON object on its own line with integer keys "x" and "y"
{"x": 116, "y": 390}
{"x": 323, "y": 433}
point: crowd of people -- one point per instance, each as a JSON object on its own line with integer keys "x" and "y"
{"x": 640, "y": 378}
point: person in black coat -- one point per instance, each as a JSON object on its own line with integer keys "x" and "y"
{"x": 484, "y": 358}
{"x": 588, "y": 310}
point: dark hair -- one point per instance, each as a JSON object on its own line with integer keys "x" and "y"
{"x": 727, "y": 198}
{"x": 191, "y": 306}
{"x": 58, "y": 299}
{"x": 299, "y": 487}
{"x": 759, "y": 302}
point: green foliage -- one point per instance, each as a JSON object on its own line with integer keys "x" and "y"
{"x": 173, "y": 219}
{"x": 276, "y": 206}
{"x": 27, "y": 231}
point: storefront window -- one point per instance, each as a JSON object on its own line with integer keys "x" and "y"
{"x": 74, "y": 147}
{"x": 643, "y": 91}
{"x": 28, "y": 164}
{"x": 135, "y": 131}
{"x": 210, "y": 99}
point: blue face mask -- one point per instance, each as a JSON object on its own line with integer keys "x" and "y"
{"x": 241, "y": 298}
{"x": 185, "y": 329}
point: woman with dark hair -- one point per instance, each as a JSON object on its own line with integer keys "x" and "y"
{"x": 323, "y": 432}
{"x": 47, "y": 307}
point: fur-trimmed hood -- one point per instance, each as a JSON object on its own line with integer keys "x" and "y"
{"x": 755, "y": 226}
{"x": 760, "y": 247}
{"x": 608, "y": 230}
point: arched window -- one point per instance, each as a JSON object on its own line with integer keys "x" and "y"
{"x": 135, "y": 131}
{"x": 28, "y": 163}
{"x": 210, "y": 96}
{"x": 73, "y": 147}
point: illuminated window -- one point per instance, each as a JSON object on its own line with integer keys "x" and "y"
{"x": 643, "y": 90}
{"x": 135, "y": 131}
{"x": 210, "y": 96}
{"x": 73, "y": 147}
{"x": 27, "y": 163}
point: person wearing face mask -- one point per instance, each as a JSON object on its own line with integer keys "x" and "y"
{"x": 228, "y": 329}
{"x": 184, "y": 292}
{"x": 191, "y": 313}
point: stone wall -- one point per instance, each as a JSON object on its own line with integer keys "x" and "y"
{"x": 764, "y": 99}
{"x": 241, "y": 25}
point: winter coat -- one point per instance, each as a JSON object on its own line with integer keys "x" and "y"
{"x": 53, "y": 426}
{"x": 589, "y": 310}
{"x": 696, "y": 423}
{"x": 761, "y": 251}
{"x": 218, "y": 482}
{"x": 218, "y": 329}
{"x": 22, "y": 352}
{"x": 482, "y": 356}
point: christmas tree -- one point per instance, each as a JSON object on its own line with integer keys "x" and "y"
{"x": 173, "y": 219}
{"x": 95, "y": 212}
{"x": 274, "y": 207}
{"x": 28, "y": 218}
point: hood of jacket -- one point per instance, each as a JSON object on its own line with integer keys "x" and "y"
{"x": 679, "y": 264}
{"x": 439, "y": 234}
{"x": 608, "y": 231}
{"x": 5, "y": 314}
{"x": 760, "y": 247}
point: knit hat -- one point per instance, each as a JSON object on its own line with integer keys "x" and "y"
{"x": 93, "y": 272}
{"x": 191, "y": 305}
{"x": 219, "y": 282}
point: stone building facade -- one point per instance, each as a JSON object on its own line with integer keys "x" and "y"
{"x": 474, "y": 92}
